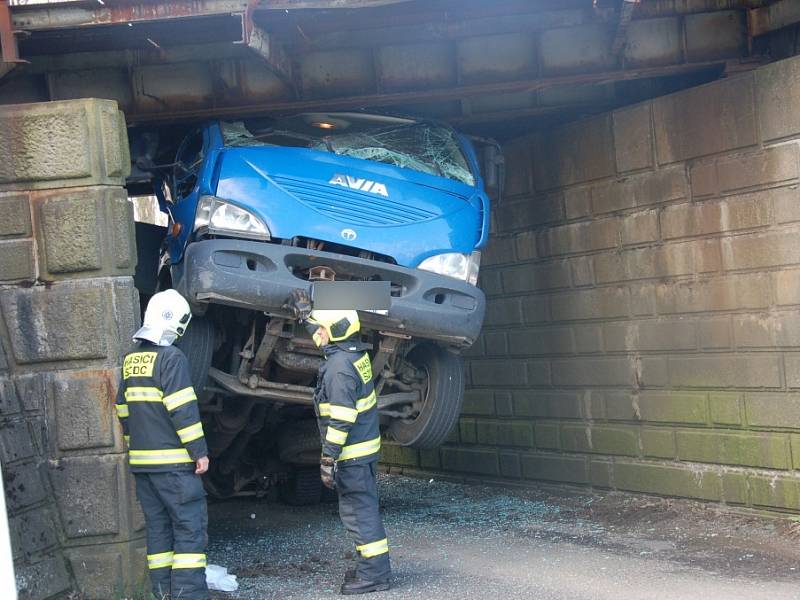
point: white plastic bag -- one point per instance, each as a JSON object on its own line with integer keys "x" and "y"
{"x": 220, "y": 580}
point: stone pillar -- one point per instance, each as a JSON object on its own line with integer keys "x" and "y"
{"x": 68, "y": 307}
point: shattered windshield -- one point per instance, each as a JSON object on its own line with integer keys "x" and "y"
{"x": 400, "y": 142}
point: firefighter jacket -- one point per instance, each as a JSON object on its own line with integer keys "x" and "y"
{"x": 158, "y": 410}
{"x": 346, "y": 407}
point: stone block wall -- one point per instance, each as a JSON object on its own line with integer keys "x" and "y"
{"x": 67, "y": 310}
{"x": 643, "y": 330}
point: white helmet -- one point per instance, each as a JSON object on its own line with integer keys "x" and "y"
{"x": 166, "y": 318}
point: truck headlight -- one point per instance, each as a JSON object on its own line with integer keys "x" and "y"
{"x": 222, "y": 217}
{"x": 454, "y": 264}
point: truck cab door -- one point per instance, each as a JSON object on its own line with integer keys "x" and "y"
{"x": 185, "y": 180}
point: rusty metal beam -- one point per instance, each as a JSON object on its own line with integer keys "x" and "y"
{"x": 770, "y": 18}
{"x": 324, "y": 4}
{"x": 8, "y": 43}
{"x": 265, "y": 46}
{"x": 440, "y": 94}
{"x": 625, "y": 15}
{"x": 651, "y": 9}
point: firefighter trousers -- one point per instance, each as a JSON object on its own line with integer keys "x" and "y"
{"x": 358, "y": 508}
{"x": 175, "y": 512}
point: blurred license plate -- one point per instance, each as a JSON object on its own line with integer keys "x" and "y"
{"x": 371, "y": 296}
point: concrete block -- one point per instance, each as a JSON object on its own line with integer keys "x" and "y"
{"x": 87, "y": 492}
{"x": 772, "y": 410}
{"x": 670, "y": 260}
{"x": 587, "y": 339}
{"x": 32, "y": 391}
{"x": 503, "y": 311}
{"x": 538, "y": 372}
{"x": 650, "y": 335}
{"x": 496, "y": 57}
{"x": 656, "y": 187}
{"x": 792, "y": 361}
{"x": 705, "y": 120}
{"x": 489, "y": 282}
{"x": 529, "y": 403}
{"x": 399, "y": 455}
{"x": 633, "y": 137}
{"x": 541, "y": 341}
{"x": 63, "y": 144}
{"x": 732, "y": 214}
{"x": 530, "y": 212}
{"x": 510, "y": 465}
{"x": 786, "y": 204}
{"x": 751, "y": 291}
{"x": 16, "y": 442}
{"x": 110, "y": 570}
{"x": 42, "y": 333}
{"x": 653, "y": 42}
{"x": 753, "y": 331}
{"x": 654, "y": 372}
{"x": 576, "y": 153}
{"x": 84, "y": 409}
{"x": 575, "y": 49}
{"x": 525, "y": 244}
{"x": 722, "y": 371}
{"x": 667, "y": 480}
{"x": 578, "y": 202}
{"x": 579, "y": 237}
{"x": 23, "y": 485}
{"x": 504, "y": 433}
{"x": 9, "y": 401}
{"x": 496, "y": 343}
{"x": 429, "y": 459}
{"x": 598, "y": 439}
{"x": 672, "y": 407}
{"x": 16, "y": 261}
{"x": 498, "y": 251}
{"x": 599, "y": 303}
{"x": 31, "y": 533}
{"x": 535, "y": 309}
{"x": 615, "y": 406}
{"x": 16, "y": 215}
{"x": 503, "y": 404}
{"x": 478, "y": 402}
{"x": 775, "y": 492}
{"x": 758, "y": 450}
{"x": 777, "y": 87}
{"x": 715, "y": 35}
{"x": 758, "y": 250}
{"x": 643, "y": 299}
{"x": 600, "y": 473}
{"x": 562, "y": 405}
{"x": 725, "y": 408}
{"x": 491, "y": 372}
{"x": 787, "y": 287}
{"x": 480, "y": 462}
{"x": 715, "y": 333}
{"x": 467, "y": 433}
{"x": 46, "y": 578}
{"x": 734, "y": 488}
{"x": 536, "y": 277}
{"x": 582, "y": 271}
{"x": 554, "y": 467}
{"x": 593, "y": 371}
{"x": 764, "y": 167}
{"x": 658, "y": 443}
{"x": 639, "y": 228}
{"x": 546, "y": 436}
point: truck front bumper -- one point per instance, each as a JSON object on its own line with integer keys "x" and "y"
{"x": 260, "y": 276}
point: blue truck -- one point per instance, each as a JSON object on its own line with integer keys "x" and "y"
{"x": 261, "y": 206}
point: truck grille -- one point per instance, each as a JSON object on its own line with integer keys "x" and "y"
{"x": 350, "y": 206}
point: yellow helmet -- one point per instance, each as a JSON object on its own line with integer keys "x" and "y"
{"x": 339, "y": 324}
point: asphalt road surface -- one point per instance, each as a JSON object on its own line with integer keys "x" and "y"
{"x": 474, "y": 542}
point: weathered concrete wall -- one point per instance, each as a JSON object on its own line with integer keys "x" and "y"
{"x": 644, "y": 279}
{"x": 68, "y": 307}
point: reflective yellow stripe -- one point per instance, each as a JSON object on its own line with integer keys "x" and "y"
{"x": 325, "y": 409}
{"x": 374, "y": 548}
{"x": 192, "y": 432}
{"x": 122, "y": 411}
{"x": 342, "y": 413}
{"x": 364, "y": 404}
{"x": 159, "y": 561}
{"x": 189, "y": 561}
{"x": 160, "y": 457}
{"x": 335, "y": 436}
{"x": 179, "y": 398}
{"x": 143, "y": 394}
{"x": 360, "y": 449}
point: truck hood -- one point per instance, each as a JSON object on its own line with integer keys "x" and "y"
{"x": 397, "y": 212}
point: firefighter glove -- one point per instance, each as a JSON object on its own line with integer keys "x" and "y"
{"x": 327, "y": 472}
{"x": 299, "y": 303}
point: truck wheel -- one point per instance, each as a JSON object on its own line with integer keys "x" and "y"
{"x": 299, "y": 443}
{"x": 442, "y": 399}
{"x": 198, "y": 346}
{"x": 302, "y": 488}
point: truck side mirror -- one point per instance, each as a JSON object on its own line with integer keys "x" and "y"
{"x": 494, "y": 168}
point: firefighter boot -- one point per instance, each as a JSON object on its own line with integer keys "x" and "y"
{"x": 359, "y": 586}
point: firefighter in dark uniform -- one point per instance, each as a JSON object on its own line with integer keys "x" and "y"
{"x": 167, "y": 450}
{"x": 347, "y": 412}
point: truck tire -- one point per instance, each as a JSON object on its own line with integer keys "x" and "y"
{"x": 299, "y": 443}
{"x": 302, "y": 488}
{"x": 198, "y": 346}
{"x": 442, "y": 403}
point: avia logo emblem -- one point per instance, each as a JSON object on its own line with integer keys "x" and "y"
{"x": 349, "y": 234}
{"x": 363, "y": 185}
